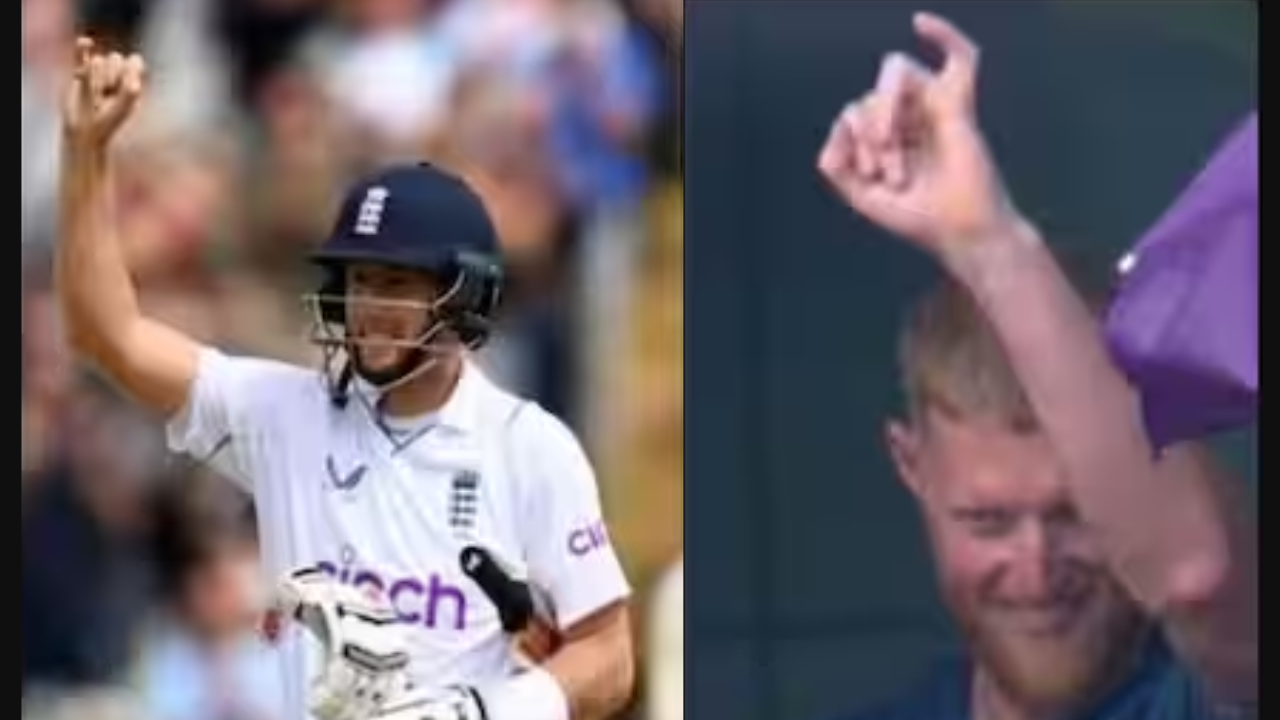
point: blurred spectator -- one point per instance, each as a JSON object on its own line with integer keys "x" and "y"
{"x": 294, "y": 162}
{"x": 85, "y": 582}
{"x": 174, "y": 193}
{"x": 203, "y": 660}
{"x": 607, "y": 105}
{"x": 261, "y": 37}
{"x": 46, "y": 375}
{"x": 555, "y": 101}
{"x": 387, "y": 72}
{"x": 47, "y": 27}
{"x": 188, "y": 84}
{"x": 665, "y": 15}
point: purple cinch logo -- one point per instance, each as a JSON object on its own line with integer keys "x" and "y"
{"x": 585, "y": 540}
{"x": 427, "y": 601}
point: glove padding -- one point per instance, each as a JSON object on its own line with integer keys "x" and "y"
{"x": 455, "y": 703}
{"x": 364, "y": 655}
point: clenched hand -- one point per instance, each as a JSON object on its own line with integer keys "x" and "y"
{"x": 909, "y": 155}
{"x": 104, "y": 90}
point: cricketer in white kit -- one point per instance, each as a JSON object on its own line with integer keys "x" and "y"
{"x": 373, "y": 478}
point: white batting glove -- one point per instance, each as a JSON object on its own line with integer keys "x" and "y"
{"x": 364, "y": 660}
{"x": 455, "y": 703}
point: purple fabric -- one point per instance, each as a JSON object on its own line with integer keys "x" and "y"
{"x": 1184, "y": 323}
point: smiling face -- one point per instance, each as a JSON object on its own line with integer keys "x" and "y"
{"x": 1044, "y": 617}
{"x": 394, "y": 327}
{"x": 1020, "y": 571}
{"x": 388, "y": 313}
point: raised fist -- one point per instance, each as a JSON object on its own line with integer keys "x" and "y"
{"x": 909, "y": 154}
{"x": 105, "y": 88}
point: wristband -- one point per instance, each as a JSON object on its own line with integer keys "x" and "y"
{"x": 534, "y": 694}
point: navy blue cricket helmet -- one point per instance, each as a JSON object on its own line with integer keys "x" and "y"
{"x": 414, "y": 217}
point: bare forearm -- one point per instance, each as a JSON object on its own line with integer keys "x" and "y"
{"x": 1091, "y": 414}
{"x": 1220, "y": 633}
{"x": 152, "y": 363}
{"x": 96, "y": 294}
{"x": 596, "y": 676}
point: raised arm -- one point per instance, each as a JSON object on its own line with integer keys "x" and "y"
{"x": 1176, "y": 531}
{"x": 154, "y": 364}
{"x": 911, "y": 157}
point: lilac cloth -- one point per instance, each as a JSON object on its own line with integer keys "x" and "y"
{"x": 1184, "y": 323}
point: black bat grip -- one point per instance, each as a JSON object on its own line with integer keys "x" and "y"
{"x": 513, "y": 598}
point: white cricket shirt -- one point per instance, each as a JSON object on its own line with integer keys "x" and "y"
{"x": 392, "y": 507}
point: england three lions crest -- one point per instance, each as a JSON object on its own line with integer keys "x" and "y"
{"x": 464, "y": 500}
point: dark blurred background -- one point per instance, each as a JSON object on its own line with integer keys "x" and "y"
{"x": 137, "y": 570}
{"x": 811, "y": 592}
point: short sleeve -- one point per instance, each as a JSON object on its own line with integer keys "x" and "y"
{"x": 570, "y": 554}
{"x": 227, "y": 418}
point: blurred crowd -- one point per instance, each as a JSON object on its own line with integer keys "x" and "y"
{"x": 138, "y": 572}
